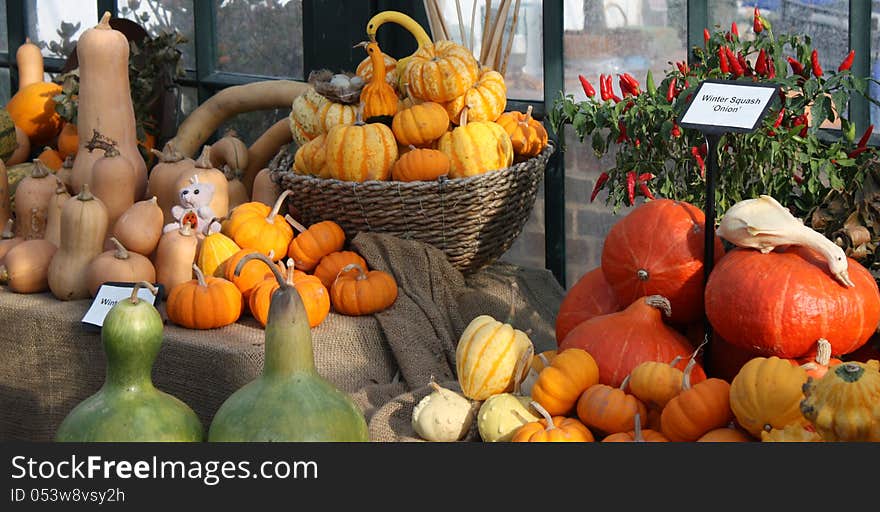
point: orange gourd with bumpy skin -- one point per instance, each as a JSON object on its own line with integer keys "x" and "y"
{"x": 104, "y": 101}
{"x": 420, "y": 164}
{"x": 360, "y": 152}
{"x": 552, "y": 429}
{"x": 529, "y": 137}
{"x": 420, "y": 125}
{"x": 378, "y": 99}
{"x": 485, "y": 100}
{"x": 608, "y": 409}
{"x": 256, "y": 226}
{"x": 766, "y": 394}
{"x": 441, "y": 71}
{"x": 330, "y": 265}
{"x": 476, "y": 148}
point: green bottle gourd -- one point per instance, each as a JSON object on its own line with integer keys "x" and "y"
{"x": 128, "y": 408}
{"x": 290, "y": 401}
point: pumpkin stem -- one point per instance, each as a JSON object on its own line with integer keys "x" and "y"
{"x": 104, "y": 24}
{"x": 528, "y": 115}
{"x": 154, "y": 200}
{"x": 68, "y": 162}
{"x": 104, "y": 143}
{"x": 169, "y": 153}
{"x": 204, "y": 160}
{"x": 637, "y": 430}
{"x": 186, "y": 229}
{"x": 352, "y": 266}
{"x": 660, "y": 302}
{"x": 282, "y": 282}
{"x": 463, "y": 119}
{"x": 522, "y": 369}
{"x": 200, "y": 276}
{"x": 544, "y": 359}
{"x": 823, "y": 352}
{"x": 39, "y": 170}
{"x": 296, "y": 225}
{"x": 642, "y": 274}
{"x": 142, "y": 284}
{"x": 277, "y": 207}
{"x": 85, "y": 194}
{"x": 8, "y": 230}
{"x": 686, "y": 378}
{"x": 59, "y": 186}
{"x": 625, "y": 382}
{"x": 291, "y": 267}
{"x": 675, "y": 361}
{"x": 545, "y": 414}
{"x": 121, "y": 252}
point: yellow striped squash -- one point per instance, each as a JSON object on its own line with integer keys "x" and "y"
{"x": 441, "y": 71}
{"x": 491, "y": 357}
{"x": 334, "y": 114}
{"x": 309, "y": 158}
{"x": 360, "y": 152}
{"x": 215, "y": 249}
{"x": 485, "y": 100}
{"x": 305, "y": 123}
{"x": 476, "y": 148}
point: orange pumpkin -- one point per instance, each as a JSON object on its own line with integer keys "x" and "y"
{"x": 330, "y": 265}
{"x": 656, "y": 383}
{"x": 441, "y": 71}
{"x": 697, "y": 409}
{"x": 33, "y": 110}
{"x": 255, "y": 226}
{"x": 817, "y": 365}
{"x": 51, "y": 158}
{"x": 249, "y": 276}
{"x": 609, "y": 409}
{"x": 725, "y": 435}
{"x": 485, "y": 100}
{"x": 420, "y": 125}
{"x": 560, "y": 384}
{"x": 420, "y": 164}
{"x": 68, "y": 140}
{"x": 529, "y": 137}
{"x": 357, "y": 292}
{"x": 638, "y": 435}
{"x": 314, "y": 295}
{"x": 204, "y": 302}
{"x": 313, "y": 243}
{"x": 360, "y": 152}
{"x": 552, "y": 429}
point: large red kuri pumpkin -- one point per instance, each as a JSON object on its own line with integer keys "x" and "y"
{"x": 621, "y": 341}
{"x": 657, "y": 249}
{"x": 590, "y": 296}
{"x": 781, "y": 303}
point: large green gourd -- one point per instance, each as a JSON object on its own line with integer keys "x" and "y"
{"x": 290, "y": 401}
{"x": 128, "y": 408}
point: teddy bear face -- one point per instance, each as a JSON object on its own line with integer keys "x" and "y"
{"x": 196, "y": 195}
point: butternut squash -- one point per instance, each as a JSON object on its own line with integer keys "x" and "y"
{"x": 104, "y": 102}
{"x": 204, "y": 120}
{"x": 237, "y": 192}
{"x": 5, "y": 206}
{"x": 65, "y": 171}
{"x": 175, "y": 256}
{"x": 118, "y": 265}
{"x": 23, "y": 149}
{"x": 207, "y": 174}
{"x": 25, "y": 268}
{"x": 229, "y": 151}
{"x": 266, "y": 191}
{"x": 113, "y": 178}
{"x": 261, "y": 152}
{"x": 163, "y": 179}
{"x": 84, "y": 223}
{"x": 8, "y": 240}
{"x": 34, "y": 193}
{"x": 53, "y": 218}
{"x": 29, "y": 59}
{"x": 139, "y": 228}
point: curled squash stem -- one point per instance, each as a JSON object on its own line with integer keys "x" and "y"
{"x": 637, "y": 429}
{"x": 545, "y": 414}
{"x": 660, "y": 302}
{"x": 625, "y": 382}
{"x": 282, "y": 282}
{"x": 686, "y": 378}
{"x": 142, "y": 284}
{"x": 277, "y": 207}
{"x": 200, "y": 276}
{"x": 121, "y": 251}
{"x": 675, "y": 361}
{"x": 296, "y": 225}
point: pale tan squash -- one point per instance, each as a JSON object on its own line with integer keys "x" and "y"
{"x": 140, "y": 227}
{"x": 229, "y": 151}
{"x": 53, "y": 219}
{"x": 105, "y": 103}
{"x": 25, "y": 268}
{"x": 84, "y": 223}
{"x": 266, "y": 191}
{"x": 29, "y": 59}
{"x": 175, "y": 256}
{"x": 163, "y": 179}
{"x": 118, "y": 265}
{"x": 8, "y": 240}
{"x": 113, "y": 179}
{"x": 34, "y": 193}
{"x": 207, "y": 174}
{"x": 264, "y": 149}
{"x": 22, "y": 151}
{"x": 64, "y": 174}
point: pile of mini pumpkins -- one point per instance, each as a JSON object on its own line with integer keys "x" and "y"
{"x": 435, "y": 113}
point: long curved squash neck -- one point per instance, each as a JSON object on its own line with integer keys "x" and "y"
{"x": 129, "y": 375}
{"x": 377, "y": 59}
{"x": 411, "y": 25}
{"x": 288, "y": 336}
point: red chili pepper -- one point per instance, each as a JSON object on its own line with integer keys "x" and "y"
{"x": 847, "y": 61}
{"x": 706, "y": 36}
{"x": 646, "y": 191}
{"x": 638, "y": 143}
{"x": 761, "y": 63}
{"x": 700, "y": 162}
{"x": 623, "y": 137}
{"x": 704, "y": 149}
{"x": 735, "y": 66}
{"x": 734, "y": 29}
{"x": 866, "y": 136}
{"x": 740, "y": 58}
{"x": 676, "y": 131}
{"x": 798, "y": 178}
{"x": 599, "y": 182}
{"x": 588, "y": 87}
{"x": 683, "y": 67}
{"x": 633, "y": 84}
{"x": 631, "y": 186}
{"x": 814, "y": 62}
{"x": 777, "y": 123}
{"x": 858, "y": 151}
{"x": 722, "y": 61}
{"x": 758, "y": 27}
{"x": 796, "y": 66}
{"x": 801, "y": 120}
{"x": 645, "y": 176}
{"x": 603, "y": 89}
{"x": 610, "y": 86}
{"x": 671, "y": 93}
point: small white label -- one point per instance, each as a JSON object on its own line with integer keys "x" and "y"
{"x": 724, "y": 105}
{"x": 108, "y": 296}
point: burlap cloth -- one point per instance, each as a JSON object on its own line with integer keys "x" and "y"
{"x": 49, "y": 361}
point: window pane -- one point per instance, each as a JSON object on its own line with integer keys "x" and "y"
{"x": 261, "y": 38}
{"x": 4, "y": 35}
{"x": 159, "y": 16}
{"x": 524, "y": 69}
{"x": 608, "y": 37}
{"x": 55, "y": 25}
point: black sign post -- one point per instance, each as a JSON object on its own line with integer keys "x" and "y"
{"x": 719, "y": 107}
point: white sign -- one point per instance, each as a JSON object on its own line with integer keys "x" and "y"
{"x": 108, "y": 296}
{"x": 727, "y": 105}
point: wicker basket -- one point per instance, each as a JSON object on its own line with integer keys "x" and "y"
{"x": 473, "y": 220}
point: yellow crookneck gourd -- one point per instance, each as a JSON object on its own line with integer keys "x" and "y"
{"x": 378, "y": 99}
{"x": 411, "y": 25}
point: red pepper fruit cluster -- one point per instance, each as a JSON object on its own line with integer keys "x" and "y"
{"x": 683, "y": 67}
{"x": 588, "y": 87}
{"x": 814, "y": 62}
{"x": 734, "y": 29}
{"x": 676, "y": 131}
{"x": 629, "y": 86}
{"x": 734, "y": 63}
{"x": 623, "y": 137}
{"x": 723, "y": 63}
{"x": 757, "y": 22}
{"x": 706, "y": 35}
{"x": 801, "y": 121}
{"x": 796, "y": 67}
{"x": 777, "y": 123}
{"x": 862, "y": 146}
{"x": 847, "y": 61}
{"x": 671, "y": 92}
{"x": 761, "y": 63}
{"x": 641, "y": 180}
{"x": 699, "y": 158}
{"x": 599, "y": 182}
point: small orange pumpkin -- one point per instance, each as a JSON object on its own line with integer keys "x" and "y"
{"x": 51, "y": 158}
{"x": 420, "y": 125}
{"x": 636, "y": 436}
{"x": 330, "y": 265}
{"x": 656, "y": 383}
{"x": 698, "y": 409}
{"x": 485, "y": 100}
{"x": 254, "y": 225}
{"x": 358, "y": 292}
{"x": 728, "y": 434}
{"x": 560, "y": 384}
{"x": 420, "y": 164}
{"x": 552, "y": 429}
{"x": 250, "y": 275}
{"x": 204, "y": 302}
{"x": 609, "y": 409}
{"x": 313, "y": 243}
{"x": 314, "y": 295}
{"x": 529, "y": 137}
{"x": 32, "y": 109}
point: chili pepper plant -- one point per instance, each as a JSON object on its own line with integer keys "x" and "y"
{"x": 788, "y": 157}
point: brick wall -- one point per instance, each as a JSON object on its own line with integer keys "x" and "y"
{"x": 586, "y": 224}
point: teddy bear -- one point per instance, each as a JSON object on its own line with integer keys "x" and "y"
{"x": 194, "y": 207}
